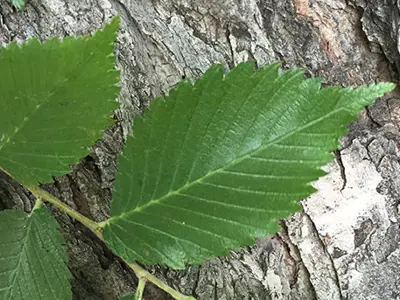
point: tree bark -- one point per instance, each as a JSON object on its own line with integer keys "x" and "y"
{"x": 345, "y": 243}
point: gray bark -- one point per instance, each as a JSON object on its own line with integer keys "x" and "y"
{"x": 345, "y": 244}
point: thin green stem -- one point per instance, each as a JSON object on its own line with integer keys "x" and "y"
{"x": 42, "y": 194}
{"x": 38, "y": 204}
{"x": 140, "y": 288}
{"x": 97, "y": 228}
{"x": 142, "y": 273}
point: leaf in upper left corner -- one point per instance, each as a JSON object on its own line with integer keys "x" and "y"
{"x": 33, "y": 259}
{"x": 56, "y": 98}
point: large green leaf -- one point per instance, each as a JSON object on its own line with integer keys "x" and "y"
{"x": 55, "y": 99}
{"x": 221, "y": 161}
{"x": 32, "y": 257}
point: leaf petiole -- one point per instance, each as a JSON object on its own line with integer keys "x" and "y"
{"x": 38, "y": 204}
{"x": 143, "y": 274}
{"x": 140, "y": 288}
{"x": 45, "y": 196}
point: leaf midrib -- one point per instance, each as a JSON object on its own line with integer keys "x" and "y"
{"x": 232, "y": 162}
{"x": 17, "y": 269}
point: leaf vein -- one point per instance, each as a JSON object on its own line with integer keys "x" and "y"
{"x": 229, "y": 205}
{"x": 175, "y": 237}
{"x": 208, "y": 216}
{"x": 160, "y": 252}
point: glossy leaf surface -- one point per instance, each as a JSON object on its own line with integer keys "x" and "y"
{"x": 56, "y": 98}
{"x": 218, "y": 163}
{"x": 32, "y": 257}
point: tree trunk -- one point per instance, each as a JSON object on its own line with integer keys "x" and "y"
{"x": 345, "y": 244}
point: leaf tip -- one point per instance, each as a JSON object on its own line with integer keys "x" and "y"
{"x": 110, "y": 29}
{"x": 115, "y": 22}
{"x": 19, "y": 4}
{"x": 387, "y": 86}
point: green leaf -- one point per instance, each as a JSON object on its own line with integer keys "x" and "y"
{"x": 128, "y": 297}
{"x": 218, "y": 163}
{"x": 32, "y": 257}
{"x": 20, "y": 4}
{"x": 55, "y": 100}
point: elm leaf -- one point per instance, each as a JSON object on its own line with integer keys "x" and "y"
{"x": 217, "y": 163}
{"x": 33, "y": 258}
{"x": 56, "y": 97}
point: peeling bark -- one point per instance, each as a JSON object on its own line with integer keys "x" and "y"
{"x": 345, "y": 244}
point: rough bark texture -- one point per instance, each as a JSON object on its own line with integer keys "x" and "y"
{"x": 345, "y": 244}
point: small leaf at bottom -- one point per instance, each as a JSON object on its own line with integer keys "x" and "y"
{"x": 32, "y": 257}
